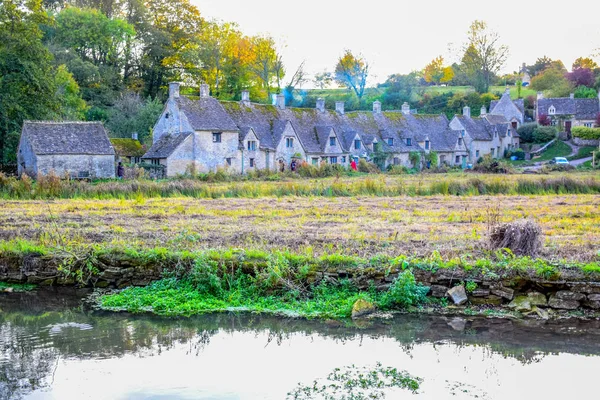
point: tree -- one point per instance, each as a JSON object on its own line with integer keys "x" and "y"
{"x": 132, "y": 114}
{"x": 73, "y": 107}
{"x": 400, "y": 89}
{"x": 267, "y": 64}
{"x": 582, "y": 77}
{"x": 584, "y": 92}
{"x": 483, "y": 55}
{"x": 553, "y": 81}
{"x": 323, "y": 79}
{"x": 582, "y": 62}
{"x": 544, "y": 120}
{"x": 540, "y": 65}
{"x": 436, "y": 73}
{"x": 352, "y": 72}
{"x": 296, "y": 80}
{"x": 27, "y": 84}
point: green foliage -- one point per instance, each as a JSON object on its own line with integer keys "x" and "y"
{"x": 470, "y": 286}
{"x": 544, "y": 134}
{"x": 353, "y": 383}
{"x": 415, "y": 159}
{"x": 131, "y": 113}
{"x": 526, "y": 131}
{"x": 16, "y": 287}
{"x": 584, "y": 92}
{"x": 404, "y": 292}
{"x": 585, "y": 133}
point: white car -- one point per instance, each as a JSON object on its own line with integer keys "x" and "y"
{"x": 559, "y": 161}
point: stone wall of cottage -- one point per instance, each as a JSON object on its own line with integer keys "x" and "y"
{"x": 27, "y": 162}
{"x": 77, "y": 165}
{"x": 170, "y": 122}
{"x": 282, "y": 152}
{"x": 212, "y": 156}
{"x": 182, "y": 159}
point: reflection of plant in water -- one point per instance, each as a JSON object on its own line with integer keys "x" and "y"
{"x": 354, "y": 383}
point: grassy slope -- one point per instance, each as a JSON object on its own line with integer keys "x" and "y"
{"x": 557, "y": 149}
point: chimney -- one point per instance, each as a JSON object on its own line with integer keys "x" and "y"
{"x": 204, "y": 91}
{"x": 281, "y": 101}
{"x": 376, "y": 107}
{"x": 483, "y": 111}
{"x": 405, "y": 108}
{"x": 134, "y": 136}
{"x": 572, "y": 95}
{"x": 339, "y": 107}
{"x": 321, "y": 104}
{"x": 540, "y": 95}
{"x": 174, "y": 90}
{"x": 245, "y": 97}
{"x": 467, "y": 111}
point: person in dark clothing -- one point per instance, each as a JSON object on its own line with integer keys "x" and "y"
{"x": 281, "y": 166}
{"x": 120, "y": 171}
{"x": 293, "y": 166}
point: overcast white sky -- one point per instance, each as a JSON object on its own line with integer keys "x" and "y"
{"x": 401, "y": 36}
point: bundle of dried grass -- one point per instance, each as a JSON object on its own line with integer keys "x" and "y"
{"x": 522, "y": 237}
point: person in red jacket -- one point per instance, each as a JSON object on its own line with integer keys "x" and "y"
{"x": 353, "y": 165}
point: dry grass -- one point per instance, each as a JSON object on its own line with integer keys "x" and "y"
{"x": 362, "y": 226}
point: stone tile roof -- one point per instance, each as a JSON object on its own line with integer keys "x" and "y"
{"x": 519, "y": 103}
{"x": 583, "y": 109}
{"x": 478, "y": 128}
{"x": 48, "y": 137}
{"x": 206, "y": 114}
{"x": 166, "y": 145}
{"x": 587, "y": 108}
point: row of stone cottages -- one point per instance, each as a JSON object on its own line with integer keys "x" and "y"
{"x": 207, "y": 134}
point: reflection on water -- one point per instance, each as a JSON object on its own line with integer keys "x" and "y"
{"x": 51, "y": 349}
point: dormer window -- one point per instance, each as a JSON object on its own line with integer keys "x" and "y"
{"x": 289, "y": 142}
{"x": 427, "y": 145}
{"x": 251, "y": 145}
{"x": 408, "y": 141}
{"x": 390, "y": 141}
{"x": 216, "y": 137}
{"x": 460, "y": 141}
{"x": 357, "y": 144}
{"x": 167, "y": 116}
{"x": 332, "y": 141}
{"x": 551, "y": 110}
{"x": 462, "y": 133}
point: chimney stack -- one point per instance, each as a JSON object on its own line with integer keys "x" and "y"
{"x": 281, "y": 101}
{"x": 483, "y": 111}
{"x": 339, "y": 107}
{"x": 134, "y": 136}
{"x": 467, "y": 111}
{"x": 245, "y": 97}
{"x": 572, "y": 95}
{"x": 405, "y": 108}
{"x": 204, "y": 91}
{"x": 540, "y": 95}
{"x": 321, "y": 104}
{"x": 377, "y": 107}
{"x": 174, "y": 90}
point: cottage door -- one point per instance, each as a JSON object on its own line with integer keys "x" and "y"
{"x": 568, "y": 129}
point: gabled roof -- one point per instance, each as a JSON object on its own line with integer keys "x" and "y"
{"x": 48, "y": 137}
{"x": 562, "y": 105}
{"x": 587, "y": 108}
{"x": 477, "y": 128}
{"x": 166, "y": 145}
{"x": 206, "y": 114}
{"x": 519, "y": 103}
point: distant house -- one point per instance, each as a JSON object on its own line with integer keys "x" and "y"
{"x": 128, "y": 151}
{"x": 566, "y": 112}
{"x": 79, "y": 149}
{"x": 512, "y": 110}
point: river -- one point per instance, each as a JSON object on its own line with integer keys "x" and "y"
{"x": 53, "y": 348}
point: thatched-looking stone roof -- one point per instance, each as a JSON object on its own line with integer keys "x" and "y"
{"x": 48, "y": 137}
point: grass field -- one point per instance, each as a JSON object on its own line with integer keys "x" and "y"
{"x": 556, "y": 149}
{"x": 360, "y": 226}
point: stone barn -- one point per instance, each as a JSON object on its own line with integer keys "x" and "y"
{"x": 79, "y": 149}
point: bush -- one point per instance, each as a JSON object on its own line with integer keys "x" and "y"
{"x": 544, "y": 134}
{"x": 518, "y": 153}
{"x": 525, "y": 131}
{"x": 557, "y": 167}
{"x": 523, "y": 237}
{"x": 367, "y": 167}
{"x": 404, "y": 292}
{"x": 586, "y": 133}
{"x": 489, "y": 165}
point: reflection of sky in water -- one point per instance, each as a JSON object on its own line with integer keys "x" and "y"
{"x": 245, "y": 365}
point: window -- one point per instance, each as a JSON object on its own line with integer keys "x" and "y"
{"x": 332, "y": 141}
{"x": 333, "y": 160}
{"x": 289, "y": 142}
{"x": 589, "y": 124}
{"x": 155, "y": 161}
{"x": 315, "y": 161}
{"x": 252, "y": 163}
{"x": 251, "y": 145}
{"x": 442, "y": 159}
{"x": 457, "y": 160}
{"x": 460, "y": 141}
{"x": 228, "y": 161}
{"x": 551, "y": 110}
{"x": 167, "y": 116}
{"x": 492, "y": 152}
{"x": 462, "y": 133}
{"x": 390, "y": 141}
{"x": 357, "y": 144}
{"x": 343, "y": 159}
{"x": 396, "y": 160}
{"x": 427, "y": 145}
{"x": 554, "y": 122}
{"x": 476, "y": 153}
{"x": 408, "y": 141}
{"x": 216, "y": 137}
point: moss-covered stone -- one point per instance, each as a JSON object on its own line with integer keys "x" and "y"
{"x": 362, "y": 308}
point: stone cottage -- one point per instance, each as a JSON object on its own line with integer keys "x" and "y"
{"x": 79, "y": 149}
{"x": 207, "y": 134}
{"x": 567, "y": 112}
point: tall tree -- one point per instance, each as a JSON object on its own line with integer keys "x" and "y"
{"x": 436, "y": 73}
{"x": 323, "y": 79}
{"x": 584, "y": 62}
{"x": 484, "y": 56}
{"x": 27, "y": 84}
{"x": 540, "y": 65}
{"x": 352, "y": 72}
{"x": 400, "y": 89}
{"x": 267, "y": 64}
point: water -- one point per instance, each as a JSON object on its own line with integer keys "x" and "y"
{"x": 51, "y": 349}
